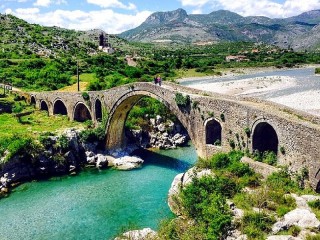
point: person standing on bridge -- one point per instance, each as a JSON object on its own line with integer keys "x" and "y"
{"x": 159, "y": 80}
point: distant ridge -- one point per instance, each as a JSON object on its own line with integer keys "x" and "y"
{"x": 298, "y": 32}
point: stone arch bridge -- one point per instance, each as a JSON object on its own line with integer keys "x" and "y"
{"x": 214, "y": 122}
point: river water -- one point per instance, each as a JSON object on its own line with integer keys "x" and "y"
{"x": 299, "y": 88}
{"x": 94, "y": 204}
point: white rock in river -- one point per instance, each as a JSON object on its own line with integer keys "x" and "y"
{"x": 144, "y": 234}
{"x": 126, "y": 162}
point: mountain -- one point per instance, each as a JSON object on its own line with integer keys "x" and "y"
{"x": 19, "y": 38}
{"x": 178, "y": 26}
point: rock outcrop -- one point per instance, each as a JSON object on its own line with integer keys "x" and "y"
{"x": 161, "y": 134}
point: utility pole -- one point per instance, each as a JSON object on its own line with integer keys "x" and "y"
{"x": 78, "y": 78}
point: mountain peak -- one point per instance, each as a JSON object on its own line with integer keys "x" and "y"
{"x": 166, "y": 17}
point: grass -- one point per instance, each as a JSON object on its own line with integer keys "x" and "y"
{"x": 74, "y": 87}
{"x": 84, "y": 77}
{"x": 32, "y": 125}
{"x": 186, "y": 73}
{"x": 315, "y": 206}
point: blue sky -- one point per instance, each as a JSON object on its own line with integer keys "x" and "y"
{"x": 115, "y": 16}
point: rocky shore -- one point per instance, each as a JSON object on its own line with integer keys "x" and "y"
{"x": 60, "y": 157}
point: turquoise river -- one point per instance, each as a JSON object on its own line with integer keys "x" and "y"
{"x": 94, "y": 204}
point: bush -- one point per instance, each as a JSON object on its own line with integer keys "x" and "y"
{"x": 182, "y": 101}
{"x": 204, "y": 201}
{"x": 220, "y": 161}
{"x": 294, "y": 230}
{"x": 314, "y": 204}
{"x": 317, "y": 71}
{"x": 20, "y": 145}
{"x": 255, "y": 224}
{"x": 93, "y": 135}
{"x": 85, "y": 96}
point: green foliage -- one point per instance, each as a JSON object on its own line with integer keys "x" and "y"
{"x": 294, "y": 230}
{"x": 145, "y": 109}
{"x": 314, "y": 204}
{"x": 267, "y": 157}
{"x": 282, "y": 150}
{"x": 317, "y": 71}
{"x": 181, "y": 100}
{"x": 247, "y": 131}
{"x": 313, "y": 237}
{"x": 256, "y": 224}
{"x": 63, "y": 142}
{"x": 282, "y": 181}
{"x": 18, "y": 146}
{"x": 204, "y": 200}
{"x": 93, "y": 135}
{"x": 85, "y": 96}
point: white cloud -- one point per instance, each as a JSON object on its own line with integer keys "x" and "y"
{"x": 112, "y": 4}
{"x": 42, "y": 3}
{"x": 267, "y": 8}
{"x": 106, "y": 19}
{"x": 26, "y": 11}
{"x": 8, "y": 11}
{"x": 197, "y": 11}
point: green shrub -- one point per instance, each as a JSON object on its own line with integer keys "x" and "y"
{"x": 93, "y": 135}
{"x": 314, "y": 204}
{"x": 294, "y": 230}
{"x": 255, "y": 224}
{"x": 247, "y": 131}
{"x": 63, "y": 142}
{"x": 317, "y": 71}
{"x": 220, "y": 161}
{"x": 313, "y": 237}
{"x": 269, "y": 158}
{"x": 85, "y": 96}
{"x": 20, "y": 145}
{"x": 181, "y": 100}
{"x": 204, "y": 200}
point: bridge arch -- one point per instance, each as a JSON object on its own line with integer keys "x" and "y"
{"x": 265, "y": 138}
{"x": 81, "y": 112}
{"x": 115, "y": 134}
{"x": 59, "y": 107}
{"x": 33, "y": 100}
{"x": 44, "y": 106}
{"x": 213, "y": 130}
{"x": 98, "y": 110}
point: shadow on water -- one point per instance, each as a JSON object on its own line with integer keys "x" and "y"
{"x": 157, "y": 158}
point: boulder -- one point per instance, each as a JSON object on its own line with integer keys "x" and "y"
{"x": 144, "y": 234}
{"x": 102, "y": 161}
{"x": 300, "y": 217}
{"x": 128, "y": 163}
{"x": 161, "y": 127}
{"x": 159, "y": 119}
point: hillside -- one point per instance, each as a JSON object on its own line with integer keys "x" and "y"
{"x": 20, "y": 39}
{"x": 178, "y": 26}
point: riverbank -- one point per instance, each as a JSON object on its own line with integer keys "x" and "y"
{"x": 298, "y": 88}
